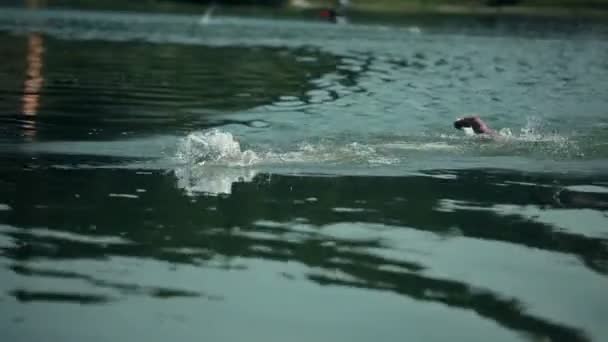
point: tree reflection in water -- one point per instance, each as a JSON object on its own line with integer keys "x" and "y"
{"x": 285, "y": 218}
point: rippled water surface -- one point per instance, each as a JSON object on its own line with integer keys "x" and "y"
{"x": 167, "y": 178}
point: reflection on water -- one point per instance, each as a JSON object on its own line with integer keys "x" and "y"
{"x": 139, "y": 89}
{"x": 33, "y": 83}
{"x": 334, "y": 203}
{"x": 377, "y": 244}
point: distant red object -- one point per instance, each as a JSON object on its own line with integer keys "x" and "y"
{"x": 329, "y": 14}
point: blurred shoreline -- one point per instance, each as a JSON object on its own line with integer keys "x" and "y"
{"x": 310, "y": 8}
{"x": 563, "y": 8}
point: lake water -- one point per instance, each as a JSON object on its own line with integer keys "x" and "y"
{"x": 166, "y": 178}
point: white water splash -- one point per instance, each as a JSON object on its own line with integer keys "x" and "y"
{"x": 218, "y": 148}
{"x": 532, "y": 139}
{"x": 210, "y": 162}
{"x": 214, "y": 147}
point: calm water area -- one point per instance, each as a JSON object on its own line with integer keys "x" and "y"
{"x": 175, "y": 177}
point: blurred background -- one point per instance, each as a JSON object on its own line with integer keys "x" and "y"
{"x": 538, "y": 7}
{"x": 289, "y": 170}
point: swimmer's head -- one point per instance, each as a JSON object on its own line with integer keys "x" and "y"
{"x": 467, "y": 121}
{"x": 473, "y": 122}
{"x": 460, "y": 123}
{"x": 463, "y": 126}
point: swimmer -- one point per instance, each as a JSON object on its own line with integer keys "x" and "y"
{"x": 474, "y": 122}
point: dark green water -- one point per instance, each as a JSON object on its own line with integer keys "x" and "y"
{"x": 163, "y": 178}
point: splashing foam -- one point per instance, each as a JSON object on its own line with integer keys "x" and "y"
{"x": 533, "y": 132}
{"x": 212, "y": 161}
{"x": 532, "y": 139}
{"x": 207, "y": 163}
{"x": 214, "y": 147}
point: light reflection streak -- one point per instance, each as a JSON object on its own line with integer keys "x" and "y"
{"x": 33, "y": 80}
